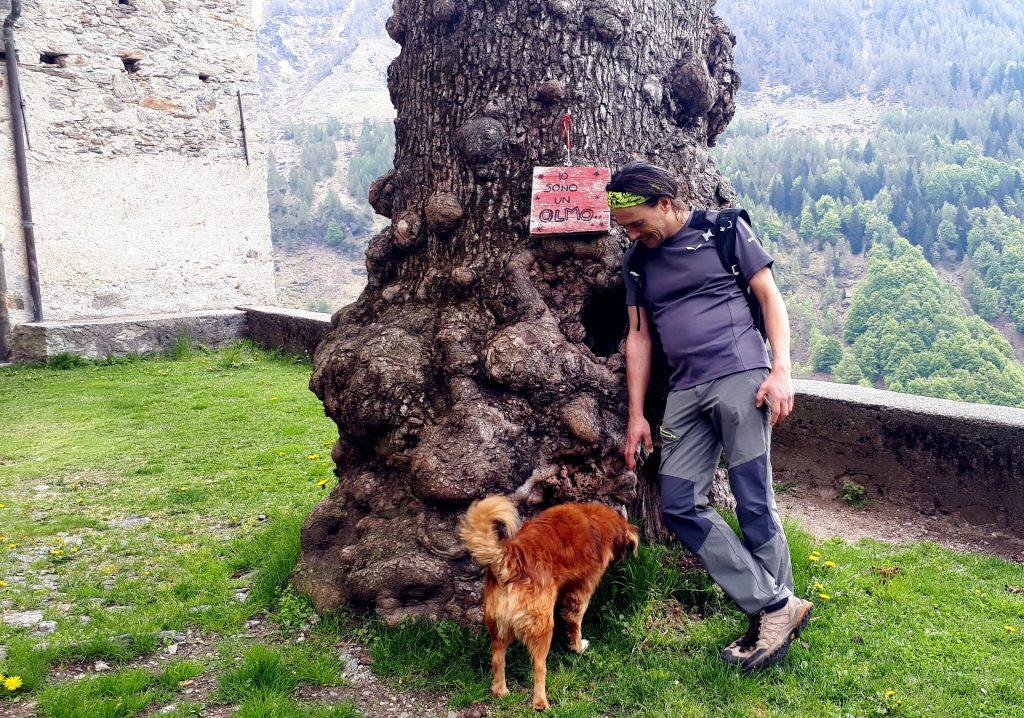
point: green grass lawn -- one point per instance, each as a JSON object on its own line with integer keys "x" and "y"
{"x": 165, "y": 495}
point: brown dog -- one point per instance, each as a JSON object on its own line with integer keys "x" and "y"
{"x": 555, "y": 559}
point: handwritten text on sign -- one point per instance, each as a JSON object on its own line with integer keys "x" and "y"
{"x": 569, "y": 199}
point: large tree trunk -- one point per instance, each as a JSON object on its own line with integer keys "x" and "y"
{"x": 480, "y": 360}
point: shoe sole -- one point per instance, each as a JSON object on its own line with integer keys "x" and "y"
{"x": 779, "y": 653}
{"x": 731, "y": 660}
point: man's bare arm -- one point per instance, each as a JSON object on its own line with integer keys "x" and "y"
{"x": 778, "y": 387}
{"x": 638, "y": 375}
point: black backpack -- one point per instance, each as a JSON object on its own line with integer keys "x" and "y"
{"x": 724, "y": 228}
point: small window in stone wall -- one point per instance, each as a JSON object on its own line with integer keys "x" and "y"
{"x": 131, "y": 64}
{"x": 53, "y": 58}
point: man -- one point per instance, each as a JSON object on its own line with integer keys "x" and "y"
{"x": 724, "y": 395}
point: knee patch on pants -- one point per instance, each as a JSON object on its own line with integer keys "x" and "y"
{"x": 679, "y": 511}
{"x": 749, "y": 482}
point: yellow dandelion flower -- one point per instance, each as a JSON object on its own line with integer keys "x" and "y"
{"x": 3, "y": 584}
{"x": 829, "y": 564}
{"x": 12, "y": 683}
{"x": 890, "y": 694}
{"x": 234, "y": 519}
{"x": 824, "y": 596}
{"x": 274, "y": 398}
{"x": 1010, "y": 629}
{"x": 313, "y": 457}
{"x": 282, "y": 453}
{"x": 816, "y": 553}
{"x": 14, "y": 545}
{"x": 3, "y": 506}
{"x": 2, "y": 538}
{"x": 57, "y": 551}
{"x": 899, "y": 702}
{"x": 147, "y": 573}
{"x": 182, "y": 488}
{"x": 79, "y": 501}
{"x": 321, "y": 483}
{"x": 813, "y": 559}
{"x": 819, "y": 587}
{"x": 74, "y": 549}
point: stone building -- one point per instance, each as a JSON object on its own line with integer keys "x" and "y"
{"x": 146, "y": 197}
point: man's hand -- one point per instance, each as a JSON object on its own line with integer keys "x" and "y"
{"x": 778, "y": 387}
{"x": 638, "y": 430}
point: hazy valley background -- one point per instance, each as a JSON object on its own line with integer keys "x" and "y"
{"x": 878, "y": 145}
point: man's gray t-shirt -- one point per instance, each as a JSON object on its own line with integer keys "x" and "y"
{"x": 698, "y": 309}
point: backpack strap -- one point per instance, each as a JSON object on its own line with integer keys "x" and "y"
{"x": 634, "y": 261}
{"x": 725, "y": 243}
{"x": 702, "y": 219}
{"x": 725, "y": 240}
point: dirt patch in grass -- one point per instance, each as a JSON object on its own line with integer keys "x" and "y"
{"x": 369, "y": 694}
{"x": 374, "y": 697}
{"x": 824, "y": 515}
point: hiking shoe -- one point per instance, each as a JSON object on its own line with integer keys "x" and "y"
{"x": 739, "y": 650}
{"x": 776, "y": 631}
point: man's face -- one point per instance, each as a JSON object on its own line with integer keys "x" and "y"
{"x": 649, "y": 225}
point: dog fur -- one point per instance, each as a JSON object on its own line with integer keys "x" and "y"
{"x": 554, "y": 560}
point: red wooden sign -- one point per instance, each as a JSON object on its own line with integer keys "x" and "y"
{"x": 569, "y": 200}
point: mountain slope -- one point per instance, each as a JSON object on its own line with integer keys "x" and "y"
{"x": 916, "y": 51}
{"x": 326, "y": 59}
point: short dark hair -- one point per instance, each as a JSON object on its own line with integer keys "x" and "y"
{"x": 650, "y": 180}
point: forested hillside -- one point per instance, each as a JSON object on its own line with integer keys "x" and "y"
{"x": 947, "y": 183}
{"x": 921, "y": 52}
{"x": 907, "y": 328}
{"x": 901, "y": 252}
{"x": 306, "y": 206}
{"x": 328, "y": 115}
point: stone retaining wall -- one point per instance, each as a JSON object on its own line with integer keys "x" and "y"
{"x": 100, "y": 338}
{"x": 292, "y": 330}
{"x": 933, "y": 455}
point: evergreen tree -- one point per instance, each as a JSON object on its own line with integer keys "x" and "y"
{"x": 869, "y": 153}
{"x": 957, "y": 133}
{"x": 336, "y": 236}
{"x": 826, "y": 352}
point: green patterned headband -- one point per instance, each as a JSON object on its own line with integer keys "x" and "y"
{"x": 618, "y": 200}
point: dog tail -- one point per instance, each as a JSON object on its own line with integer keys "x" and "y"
{"x": 479, "y": 533}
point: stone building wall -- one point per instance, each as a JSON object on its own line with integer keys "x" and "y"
{"x": 142, "y": 198}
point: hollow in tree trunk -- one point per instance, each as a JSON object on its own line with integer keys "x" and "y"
{"x": 480, "y": 360}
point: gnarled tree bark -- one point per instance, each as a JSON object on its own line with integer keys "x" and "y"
{"x": 480, "y": 360}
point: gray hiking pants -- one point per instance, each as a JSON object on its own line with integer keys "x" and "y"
{"x": 699, "y": 424}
